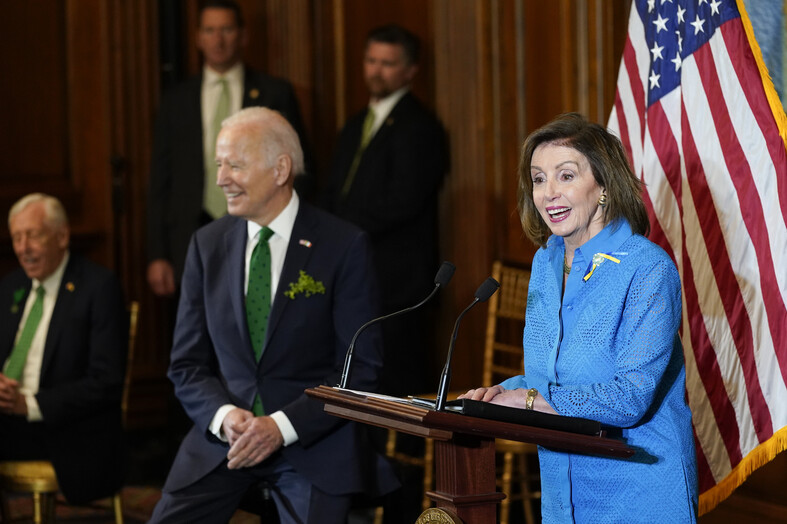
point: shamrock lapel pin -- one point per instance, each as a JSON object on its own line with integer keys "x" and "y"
{"x": 19, "y": 294}
{"x": 306, "y": 285}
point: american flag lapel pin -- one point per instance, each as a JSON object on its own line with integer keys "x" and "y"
{"x": 305, "y": 242}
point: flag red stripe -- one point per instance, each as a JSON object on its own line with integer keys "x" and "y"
{"x": 657, "y": 235}
{"x": 623, "y": 128}
{"x": 749, "y": 78}
{"x": 703, "y": 469}
{"x": 731, "y": 297}
{"x": 637, "y": 92}
{"x": 752, "y": 208}
{"x": 708, "y": 367}
{"x": 666, "y": 148}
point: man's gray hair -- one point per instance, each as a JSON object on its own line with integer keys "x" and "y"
{"x": 54, "y": 211}
{"x": 277, "y": 136}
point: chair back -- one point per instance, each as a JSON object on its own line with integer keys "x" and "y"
{"x": 133, "y": 312}
{"x": 503, "y": 354}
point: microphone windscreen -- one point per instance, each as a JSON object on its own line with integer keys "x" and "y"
{"x": 486, "y": 289}
{"x": 444, "y": 274}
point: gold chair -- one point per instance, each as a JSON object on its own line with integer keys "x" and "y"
{"x": 37, "y": 477}
{"x": 503, "y": 358}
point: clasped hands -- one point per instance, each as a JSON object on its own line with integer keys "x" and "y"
{"x": 515, "y": 398}
{"x": 252, "y": 439}
{"x": 12, "y": 402}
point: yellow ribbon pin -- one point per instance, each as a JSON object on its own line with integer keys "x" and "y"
{"x": 598, "y": 258}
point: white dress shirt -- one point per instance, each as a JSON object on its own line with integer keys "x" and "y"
{"x": 282, "y": 230}
{"x": 382, "y": 108}
{"x": 31, "y": 373}
{"x": 211, "y": 89}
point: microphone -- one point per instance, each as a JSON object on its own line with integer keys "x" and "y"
{"x": 482, "y": 294}
{"x": 441, "y": 279}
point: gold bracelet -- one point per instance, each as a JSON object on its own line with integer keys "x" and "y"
{"x": 532, "y": 393}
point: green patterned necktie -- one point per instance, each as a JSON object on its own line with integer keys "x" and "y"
{"x": 214, "y": 201}
{"x": 16, "y": 362}
{"x": 366, "y": 135}
{"x": 258, "y": 299}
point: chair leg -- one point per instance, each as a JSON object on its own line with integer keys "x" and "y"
{"x": 43, "y": 508}
{"x": 117, "y": 504}
{"x": 508, "y": 467}
{"x": 378, "y": 515}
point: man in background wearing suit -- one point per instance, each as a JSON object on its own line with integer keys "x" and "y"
{"x": 182, "y": 192}
{"x": 388, "y": 166}
{"x": 271, "y": 297}
{"x": 63, "y": 346}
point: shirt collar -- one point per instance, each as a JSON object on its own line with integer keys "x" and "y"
{"x": 383, "y": 108}
{"x": 233, "y": 75}
{"x": 607, "y": 240}
{"x": 52, "y": 282}
{"x": 281, "y": 225}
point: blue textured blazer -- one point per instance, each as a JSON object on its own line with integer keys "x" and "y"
{"x": 213, "y": 362}
{"x": 607, "y": 349}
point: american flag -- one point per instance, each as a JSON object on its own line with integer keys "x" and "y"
{"x": 701, "y": 122}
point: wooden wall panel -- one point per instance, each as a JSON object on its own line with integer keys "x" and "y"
{"x": 55, "y": 113}
{"x": 360, "y": 16}
{"x": 463, "y": 63}
{"x": 33, "y": 94}
{"x": 134, "y": 73}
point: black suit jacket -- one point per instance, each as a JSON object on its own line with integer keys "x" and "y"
{"x": 394, "y": 196}
{"x": 82, "y": 376}
{"x": 177, "y": 163}
{"x": 213, "y": 362}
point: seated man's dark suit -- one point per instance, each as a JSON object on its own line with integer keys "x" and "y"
{"x": 394, "y": 198}
{"x": 175, "y": 193}
{"x": 213, "y": 363}
{"x": 81, "y": 380}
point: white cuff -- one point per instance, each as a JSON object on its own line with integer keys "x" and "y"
{"x": 218, "y": 420}
{"x": 33, "y": 411}
{"x": 288, "y": 432}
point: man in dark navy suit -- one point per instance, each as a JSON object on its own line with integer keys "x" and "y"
{"x": 63, "y": 347}
{"x": 388, "y": 166}
{"x": 182, "y": 193}
{"x": 272, "y": 295}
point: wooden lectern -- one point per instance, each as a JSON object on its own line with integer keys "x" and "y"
{"x": 464, "y": 447}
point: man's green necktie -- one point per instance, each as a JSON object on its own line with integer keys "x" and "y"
{"x": 366, "y": 135}
{"x": 16, "y": 362}
{"x": 258, "y": 299}
{"x": 214, "y": 201}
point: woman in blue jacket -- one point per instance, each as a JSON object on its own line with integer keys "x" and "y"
{"x": 601, "y": 332}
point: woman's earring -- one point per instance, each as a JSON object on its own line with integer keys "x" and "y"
{"x": 602, "y": 200}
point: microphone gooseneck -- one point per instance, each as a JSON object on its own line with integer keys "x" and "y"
{"x": 441, "y": 279}
{"x": 482, "y": 294}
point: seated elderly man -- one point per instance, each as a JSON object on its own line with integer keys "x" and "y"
{"x": 63, "y": 345}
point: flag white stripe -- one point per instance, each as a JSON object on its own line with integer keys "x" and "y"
{"x": 726, "y": 203}
{"x": 752, "y": 140}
